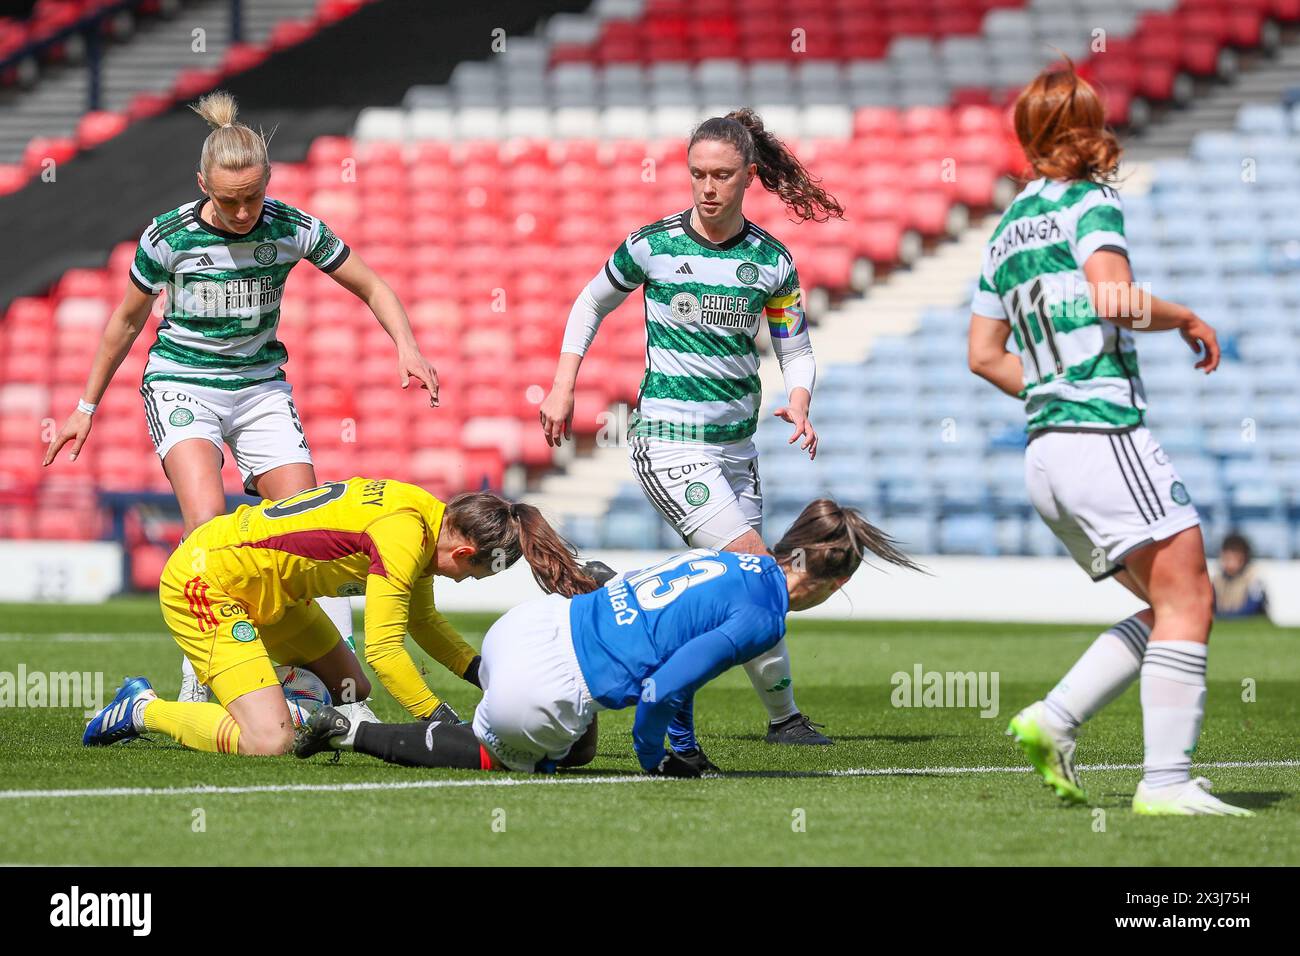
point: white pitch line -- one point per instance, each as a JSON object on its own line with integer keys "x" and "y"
{"x": 548, "y": 781}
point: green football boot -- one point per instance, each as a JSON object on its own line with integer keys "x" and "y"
{"x": 1052, "y": 754}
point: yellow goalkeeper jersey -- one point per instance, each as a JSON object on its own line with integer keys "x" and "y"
{"x": 371, "y": 536}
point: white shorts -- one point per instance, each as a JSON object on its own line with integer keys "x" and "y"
{"x": 1106, "y": 494}
{"x": 710, "y": 493}
{"x": 535, "y": 702}
{"x": 259, "y": 423}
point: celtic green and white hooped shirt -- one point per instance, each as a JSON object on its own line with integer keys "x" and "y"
{"x": 1080, "y": 372}
{"x": 704, "y": 306}
{"x": 223, "y": 291}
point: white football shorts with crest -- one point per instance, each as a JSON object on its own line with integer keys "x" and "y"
{"x": 711, "y": 494}
{"x": 258, "y": 422}
{"x": 1106, "y": 494}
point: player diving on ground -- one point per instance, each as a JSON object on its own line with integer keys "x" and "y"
{"x": 243, "y": 591}
{"x": 649, "y": 638}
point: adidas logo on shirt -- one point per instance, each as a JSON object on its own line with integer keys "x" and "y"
{"x": 685, "y": 269}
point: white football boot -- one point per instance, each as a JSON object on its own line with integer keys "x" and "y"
{"x": 358, "y": 713}
{"x": 1183, "y": 800}
{"x": 192, "y": 692}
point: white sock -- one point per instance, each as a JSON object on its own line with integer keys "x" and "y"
{"x": 1173, "y": 706}
{"x": 1106, "y": 668}
{"x": 770, "y": 674}
{"x": 137, "y": 711}
{"x": 339, "y": 611}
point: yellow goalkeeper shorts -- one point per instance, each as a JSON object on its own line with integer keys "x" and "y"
{"x": 231, "y": 653}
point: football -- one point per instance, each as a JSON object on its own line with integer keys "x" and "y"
{"x": 304, "y": 692}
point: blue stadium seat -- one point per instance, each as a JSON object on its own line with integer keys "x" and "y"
{"x": 910, "y": 466}
{"x": 968, "y": 534}
{"x": 1039, "y": 539}
{"x": 914, "y": 533}
{"x": 962, "y": 496}
{"x": 909, "y": 497}
{"x": 630, "y": 530}
{"x": 776, "y": 521}
{"x": 1269, "y": 539}
{"x": 583, "y": 531}
{"x": 1198, "y": 473}
{"x": 1264, "y": 118}
{"x": 896, "y": 438}
{"x": 885, "y": 408}
{"x": 1180, "y": 441}
{"x": 1010, "y": 535}
{"x": 895, "y": 375}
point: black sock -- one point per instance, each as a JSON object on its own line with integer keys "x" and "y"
{"x": 420, "y": 745}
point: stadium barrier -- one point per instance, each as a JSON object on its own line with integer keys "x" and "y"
{"x": 63, "y": 572}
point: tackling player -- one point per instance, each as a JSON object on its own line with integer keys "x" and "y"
{"x": 1056, "y": 277}
{"x": 649, "y": 639}
{"x": 215, "y": 375}
{"x": 710, "y": 278}
{"x": 244, "y": 590}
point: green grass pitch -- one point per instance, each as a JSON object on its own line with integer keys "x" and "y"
{"x": 777, "y": 805}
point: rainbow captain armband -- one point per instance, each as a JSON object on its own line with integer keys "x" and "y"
{"x": 785, "y": 319}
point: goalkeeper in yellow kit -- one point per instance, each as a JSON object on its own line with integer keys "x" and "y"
{"x": 240, "y": 592}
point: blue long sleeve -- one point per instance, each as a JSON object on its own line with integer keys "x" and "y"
{"x": 697, "y": 662}
{"x": 681, "y": 731}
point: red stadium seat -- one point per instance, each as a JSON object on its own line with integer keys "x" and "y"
{"x": 289, "y": 33}
{"x": 928, "y": 212}
{"x": 97, "y": 127}
{"x": 42, "y": 151}
{"x": 12, "y": 178}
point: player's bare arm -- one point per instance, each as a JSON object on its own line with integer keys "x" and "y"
{"x": 557, "y": 408}
{"x": 796, "y": 413}
{"x": 1119, "y": 299}
{"x": 121, "y": 331}
{"x": 366, "y": 284}
{"x": 988, "y": 356}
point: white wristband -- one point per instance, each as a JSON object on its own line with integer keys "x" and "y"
{"x": 85, "y": 406}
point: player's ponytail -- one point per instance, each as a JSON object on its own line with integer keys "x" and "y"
{"x": 778, "y": 169}
{"x": 503, "y": 532}
{"x": 553, "y": 560}
{"x": 829, "y": 542}
{"x": 1061, "y": 125}
{"x": 230, "y": 145}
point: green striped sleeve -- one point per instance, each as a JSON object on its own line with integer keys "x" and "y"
{"x": 147, "y": 272}
{"x": 1101, "y": 218}
{"x": 628, "y": 273}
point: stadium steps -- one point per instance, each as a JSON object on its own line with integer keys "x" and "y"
{"x": 150, "y": 63}
{"x": 1215, "y": 108}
